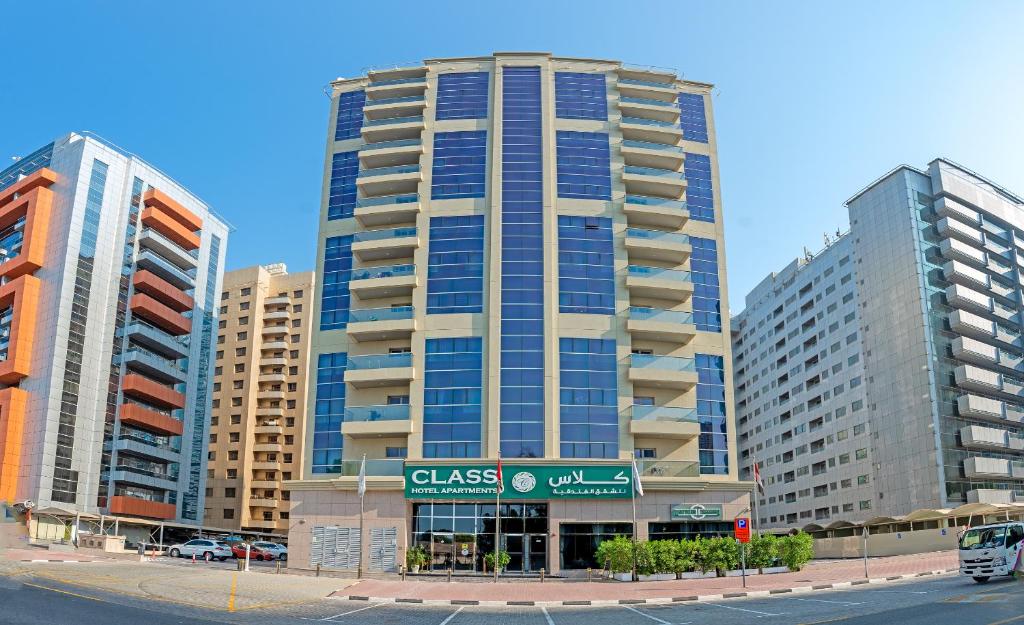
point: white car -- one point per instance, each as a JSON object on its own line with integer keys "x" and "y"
{"x": 201, "y": 548}
{"x": 280, "y": 551}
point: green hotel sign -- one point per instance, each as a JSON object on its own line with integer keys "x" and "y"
{"x": 697, "y": 512}
{"x": 522, "y": 481}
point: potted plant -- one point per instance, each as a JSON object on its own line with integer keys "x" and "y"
{"x": 503, "y": 560}
{"x": 415, "y": 558}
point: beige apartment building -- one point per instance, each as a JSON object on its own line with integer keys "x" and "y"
{"x": 259, "y": 387}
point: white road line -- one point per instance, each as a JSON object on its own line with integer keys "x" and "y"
{"x": 452, "y": 615}
{"x": 901, "y": 592}
{"x": 827, "y": 601}
{"x": 547, "y": 617}
{"x": 653, "y": 618}
{"x": 729, "y": 607}
{"x": 328, "y": 618}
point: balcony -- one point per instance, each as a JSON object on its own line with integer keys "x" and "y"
{"x": 969, "y": 324}
{"x": 977, "y": 352}
{"x": 273, "y": 361}
{"x": 159, "y": 315}
{"x": 664, "y": 422}
{"x": 272, "y": 448}
{"x": 952, "y": 228}
{"x": 390, "y": 153}
{"x": 277, "y": 300}
{"x": 276, "y": 316}
{"x": 377, "y": 467}
{"x": 138, "y": 507}
{"x": 270, "y": 395}
{"x": 278, "y": 378}
{"x": 668, "y": 468}
{"x": 170, "y": 227}
{"x": 989, "y": 409}
{"x": 156, "y": 340}
{"x": 988, "y": 468}
{"x": 957, "y": 250}
{"x": 662, "y": 371}
{"x": 649, "y": 108}
{"x": 960, "y": 273}
{"x": 153, "y": 366}
{"x": 401, "y": 179}
{"x": 977, "y": 379}
{"x": 397, "y": 106}
{"x": 992, "y": 496}
{"x": 384, "y": 281}
{"x": 268, "y": 429}
{"x": 152, "y": 392}
{"x": 388, "y": 244}
{"x": 264, "y": 484}
{"x": 168, "y": 249}
{"x": 262, "y": 524}
{"x": 394, "y": 83}
{"x": 165, "y": 270}
{"x": 267, "y": 465}
{"x": 379, "y": 370}
{"x": 151, "y": 478}
{"x": 274, "y": 346}
{"x": 278, "y": 330}
{"x": 377, "y": 421}
{"x": 667, "y": 247}
{"x": 660, "y": 325}
{"x": 381, "y": 324}
{"x": 969, "y": 299}
{"x": 650, "y": 130}
{"x": 657, "y": 155}
{"x": 162, "y": 291}
{"x": 659, "y": 283}
{"x": 650, "y": 181}
{"x": 392, "y": 129}
{"x": 978, "y": 437}
{"x": 159, "y": 423}
{"x": 642, "y": 87}
{"x": 656, "y": 212}
{"x": 387, "y": 210}
{"x": 262, "y": 502}
{"x": 135, "y": 445}
{"x": 270, "y": 411}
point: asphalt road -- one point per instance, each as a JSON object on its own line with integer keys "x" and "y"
{"x": 26, "y": 600}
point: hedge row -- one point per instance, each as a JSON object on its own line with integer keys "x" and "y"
{"x": 718, "y": 554}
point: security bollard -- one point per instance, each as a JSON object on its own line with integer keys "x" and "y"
{"x": 403, "y": 573}
{"x": 449, "y": 575}
{"x": 318, "y": 570}
{"x": 542, "y": 575}
{"x": 278, "y": 567}
{"x": 590, "y": 572}
{"x": 240, "y": 564}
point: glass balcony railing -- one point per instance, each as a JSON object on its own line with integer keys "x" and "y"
{"x": 642, "y": 313}
{"x": 153, "y": 234}
{"x": 644, "y": 200}
{"x": 379, "y": 361}
{"x": 383, "y": 145}
{"x": 648, "y": 101}
{"x": 408, "y": 198}
{"x": 389, "y": 271}
{"x": 657, "y": 235}
{"x": 394, "y": 120}
{"x": 151, "y": 441}
{"x": 390, "y": 412}
{"x": 650, "y": 145}
{"x": 387, "y": 171}
{"x": 653, "y": 171}
{"x": 650, "y": 122}
{"x": 389, "y": 233}
{"x": 145, "y": 470}
{"x": 645, "y": 83}
{"x": 380, "y": 314}
{"x": 408, "y": 98}
{"x": 147, "y": 259}
{"x": 667, "y": 363}
{"x": 399, "y": 81}
{"x": 668, "y": 468}
{"x": 664, "y": 413}
{"x": 390, "y": 467}
{"x": 659, "y": 273}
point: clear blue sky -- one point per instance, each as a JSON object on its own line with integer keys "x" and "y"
{"x": 813, "y": 100}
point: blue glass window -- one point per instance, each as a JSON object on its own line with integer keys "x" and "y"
{"x": 588, "y": 398}
{"x": 584, "y": 165}
{"x": 329, "y": 412}
{"x": 26, "y": 165}
{"x": 586, "y": 272}
{"x": 522, "y": 266}
{"x": 334, "y": 302}
{"x": 341, "y": 201}
{"x": 707, "y": 306}
{"x": 714, "y": 440}
{"x": 462, "y": 95}
{"x": 699, "y": 196}
{"x": 460, "y": 164}
{"x": 692, "y": 119}
{"x": 453, "y": 378}
{"x": 580, "y": 96}
{"x": 455, "y": 265}
{"x": 350, "y": 115}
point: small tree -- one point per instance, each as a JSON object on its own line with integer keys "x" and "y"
{"x": 719, "y": 554}
{"x": 503, "y": 560}
{"x": 685, "y": 557}
{"x": 663, "y": 555}
{"x": 762, "y": 551}
{"x": 646, "y": 558}
{"x": 617, "y": 554}
{"x": 796, "y": 550}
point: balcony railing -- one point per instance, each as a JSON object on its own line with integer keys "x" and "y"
{"x": 387, "y": 171}
{"x": 652, "y": 171}
{"x": 380, "y": 314}
{"x": 388, "y": 412}
{"x": 663, "y": 413}
{"x": 659, "y": 273}
{"x": 151, "y": 440}
{"x": 650, "y": 145}
{"x": 643, "y": 313}
{"x": 389, "y": 233}
{"x": 398, "y": 81}
{"x": 650, "y": 101}
{"x": 666, "y": 363}
{"x": 658, "y": 235}
{"x": 394, "y": 120}
{"x": 379, "y": 467}
{"x": 668, "y": 468}
{"x": 379, "y": 361}
{"x": 645, "y": 83}
{"x": 409, "y": 98}
{"x": 649, "y": 122}
{"x": 644, "y": 200}
{"x": 389, "y": 271}
{"x": 384, "y": 145}
{"x": 409, "y": 198}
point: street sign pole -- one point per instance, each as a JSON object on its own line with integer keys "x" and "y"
{"x": 743, "y": 562}
{"x": 741, "y": 528}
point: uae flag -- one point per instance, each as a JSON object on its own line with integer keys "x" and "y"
{"x": 757, "y": 478}
{"x": 501, "y": 481}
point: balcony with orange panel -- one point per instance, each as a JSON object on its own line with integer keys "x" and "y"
{"x": 21, "y": 295}
{"x": 185, "y": 217}
{"x": 136, "y": 506}
{"x": 160, "y": 315}
{"x": 162, "y": 291}
{"x": 12, "y": 425}
{"x": 143, "y": 418}
{"x": 33, "y": 204}
{"x": 165, "y": 225}
{"x": 153, "y": 392}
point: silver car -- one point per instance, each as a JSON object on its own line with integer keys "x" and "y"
{"x": 201, "y": 548}
{"x": 280, "y": 551}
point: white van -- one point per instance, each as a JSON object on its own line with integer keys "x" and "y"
{"x": 992, "y": 550}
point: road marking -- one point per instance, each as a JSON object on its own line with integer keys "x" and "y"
{"x": 547, "y": 617}
{"x": 231, "y": 597}
{"x": 653, "y": 618}
{"x": 452, "y": 615}
{"x": 65, "y": 592}
{"x": 901, "y": 592}
{"x": 1012, "y": 619}
{"x": 376, "y": 605}
{"x": 729, "y": 607}
{"x": 827, "y": 601}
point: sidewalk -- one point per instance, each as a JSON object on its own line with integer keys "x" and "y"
{"x": 819, "y": 575}
{"x": 30, "y": 554}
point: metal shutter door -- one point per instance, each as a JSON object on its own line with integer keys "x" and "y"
{"x": 383, "y": 545}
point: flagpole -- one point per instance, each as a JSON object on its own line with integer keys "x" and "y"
{"x": 361, "y": 487}
{"x": 497, "y": 532}
{"x": 753, "y": 504}
{"x": 633, "y": 483}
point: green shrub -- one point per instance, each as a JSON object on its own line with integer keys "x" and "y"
{"x": 762, "y": 551}
{"x": 646, "y": 558}
{"x": 664, "y": 554}
{"x": 416, "y": 556}
{"x": 503, "y": 559}
{"x": 796, "y": 550}
{"x": 719, "y": 554}
{"x": 616, "y": 554}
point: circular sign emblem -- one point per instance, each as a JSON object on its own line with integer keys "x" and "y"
{"x": 523, "y": 482}
{"x": 698, "y": 511}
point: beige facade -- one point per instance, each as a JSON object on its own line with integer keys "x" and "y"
{"x": 258, "y": 420}
{"x": 389, "y": 303}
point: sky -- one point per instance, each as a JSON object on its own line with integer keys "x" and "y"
{"x": 813, "y": 100}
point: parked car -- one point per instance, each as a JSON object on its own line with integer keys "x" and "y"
{"x": 201, "y": 548}
{"x": 277, "y": 549}
{"x": 255, "y": 553}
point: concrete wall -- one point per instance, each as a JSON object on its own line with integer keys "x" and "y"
{"x": 895, "y": 544}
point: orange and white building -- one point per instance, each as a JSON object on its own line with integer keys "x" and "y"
{"x": 109, "y": 272}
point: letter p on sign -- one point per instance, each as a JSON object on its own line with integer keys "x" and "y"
{"x": 742, "y": 529}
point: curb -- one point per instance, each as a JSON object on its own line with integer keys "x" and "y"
{"x": 653, "y": 601}
{"x": 64, "y": 561}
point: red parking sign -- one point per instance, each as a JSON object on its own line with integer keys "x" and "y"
{"x": 742, "y": 529}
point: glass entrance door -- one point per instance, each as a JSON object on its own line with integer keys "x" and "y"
{"x": 536, "y": 556}
{"x": 442, "y": 552}
{"x": 465, "y": 552}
